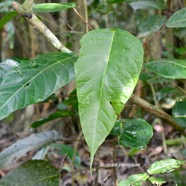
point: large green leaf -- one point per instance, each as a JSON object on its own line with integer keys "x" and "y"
{"x": 173, "y": 69}
{"x": 134, "y": 180}
{"x": 178, "y": 19}
{"x": 106, "y": 73}
{"x": 136, "y": 134}
{"x": 163, "y": 166}
{"x": 52, "y": 7}
{"x": 179, "y": 112}
{"x": 32, "y": 173}
{"x": 34, "y": 81}
{"x": 11, "y": 154}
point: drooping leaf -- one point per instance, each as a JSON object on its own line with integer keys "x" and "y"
{"x": 107, "y": 71}
{"x": 147, "y": 4}
{"x": 157, "y": 181}
{"x": 173, "y": 69}
{"x": 55, "y": 115}
{"x": 150, "y": 25}
{"x": 7, "y": 18}
{"x": 133, "y": 135}
{"x": 32, "y": 173}
{"x": 179, "y": 112}
{"x": 69, "y": 152}
{"x": 20, "y": 148}
{"x": 52, "y": 7}
{"x": 33, "y": 82}
{"x": 163, "y": 166}
{"x": 134, "y": 180}
{"x": 178, "y": 19}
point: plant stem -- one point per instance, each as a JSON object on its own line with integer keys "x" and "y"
{"x": 39, "y": 26}
{"x": 157, "y": 112}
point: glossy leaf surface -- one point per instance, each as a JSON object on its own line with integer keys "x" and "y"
{"x": 178, "y": 19}
{"x": 52, "y": 7}
{"x": 34, "y": 81}
{"x": 106, "y": 73}
{"x": 32, "y": 173}
{"x": 11, "y": 154}
{"x": 134, "y": 180}
{"x": 173, "y": 69}
{"x": 163, "y": 166}
{"x": 179, "y": 112}
{"x": 136, "y": 134}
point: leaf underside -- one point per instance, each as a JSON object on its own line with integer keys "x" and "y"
{"x": 34, "y": 81}
{"x": 106, "y": 73}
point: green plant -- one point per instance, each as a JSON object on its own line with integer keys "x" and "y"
{"x": 106, "y": 72}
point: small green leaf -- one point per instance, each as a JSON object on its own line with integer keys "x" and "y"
{"x": 179, "y": 112}
{"x": 157, "y": 181}
{"x": 134, "y": 180}
{"x": 34, "y": 81}
{"x": 136, "y": 134}
{"x": 11, "y": 154}
{"x": 106, "y": 72}
{"x": 163, "y": 166}
{"x": 145, "y": 5}
{"x": 7, "y": 18}
{"x": 178, "y": 19}
{"x": 173, "y": 69}
{"x": 32, "y": 173}
{"x": 55, "y": 115}
{"x": 52, "y": 7}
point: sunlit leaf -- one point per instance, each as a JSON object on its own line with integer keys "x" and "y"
{"x": 107, "y": 71}
{"x": 34, "y": 81}
{"x": 32, "y": 173}
{"x": 163, "y": 166}
{"x": 134, "y": 180}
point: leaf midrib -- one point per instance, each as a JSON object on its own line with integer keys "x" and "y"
{"x": 50, "y": 66}
{"x": 101, "y": 91}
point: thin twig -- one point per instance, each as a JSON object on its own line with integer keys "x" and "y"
{"x": 39, "y": 26}
{"x": 158, "y": 112}
{"x": 82, "y": 18}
